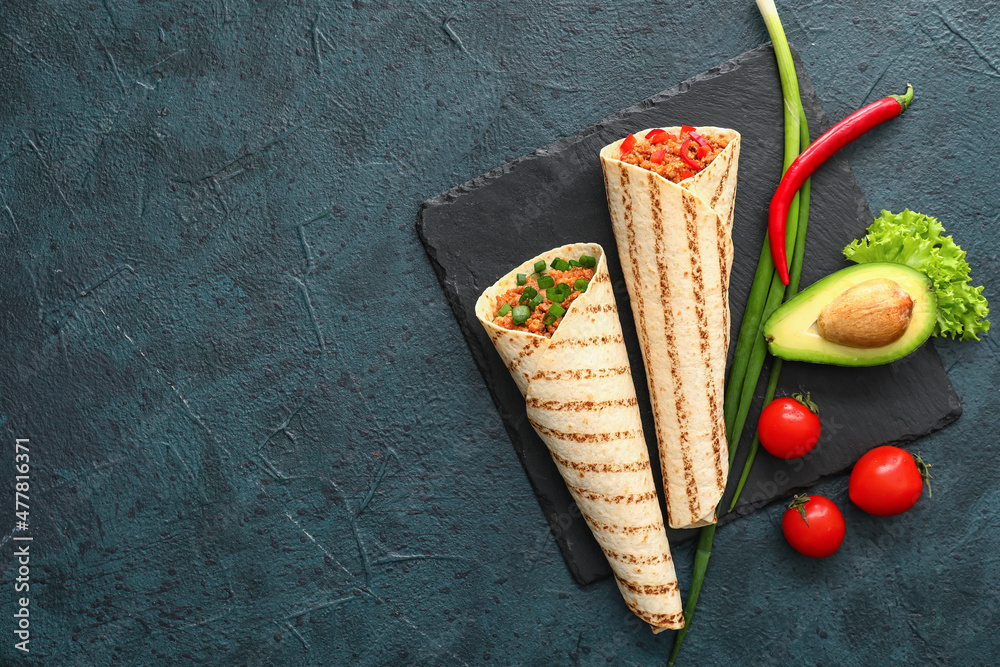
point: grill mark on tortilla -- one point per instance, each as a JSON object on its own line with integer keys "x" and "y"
{"x": 664, "y": 286}
{"x": 657, "y": 620}
{"x": 732, "y": 202}
{"x": 581, "y": 374}
{"x": 626, "y": 499}
{"x": 724, "y": 225}
{"x": 724, "y": 274}
{"x": 578, "y": 406}
{"x": 706, "y": 353}
{"x": 584, "y": 437}
{"x": 586, "y": 342}
{"x": 600, "y": 307}
{"x": 536, "y": 342}
{"x": 720, "y": 186}
{"x": 636, "y": 466}
{"x": 633, "y": 559}
{"x": 621, "y": 530}
{"x": 648, "y": 589}
{"x": 691, "y": 485}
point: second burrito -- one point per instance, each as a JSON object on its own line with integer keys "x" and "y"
{"x": 553, "y": 320}
{"x": 670, "y": 194}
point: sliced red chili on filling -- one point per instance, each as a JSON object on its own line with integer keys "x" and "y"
{"x": 656, "y": 136}
{"x": 674, "y": 157}
{"x": 697, "y": 137}
{"x": 627, "y": 145}
{"x": 685, "y": 154}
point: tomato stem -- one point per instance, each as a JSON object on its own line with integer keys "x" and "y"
{"x": 806, "y": 400}
{"x": 925, "y": 473}
{"x": 799, "y": 503}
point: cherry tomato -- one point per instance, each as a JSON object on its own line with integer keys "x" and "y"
{"x": 888, "y": 481}
{"x": 813, "y": 526}
{"x": 789, "y": 428}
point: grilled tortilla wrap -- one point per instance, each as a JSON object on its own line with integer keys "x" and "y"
{"x": 676, "y": 250}
{"x": 581, "y": 401}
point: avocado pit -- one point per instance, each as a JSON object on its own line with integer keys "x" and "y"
{"x": 871, "y": 314}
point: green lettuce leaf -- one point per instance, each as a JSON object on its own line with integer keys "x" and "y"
{"x": 918, "y": 241}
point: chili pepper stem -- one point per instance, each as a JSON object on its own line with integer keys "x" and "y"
{"x": 904, "y": 99}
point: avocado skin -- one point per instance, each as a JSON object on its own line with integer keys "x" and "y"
{"x": 791, "y": 331}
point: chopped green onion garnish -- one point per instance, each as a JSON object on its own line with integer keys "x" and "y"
{"x": 560, "y": 264}
{"x": 581, "y": 284}
{"x": 522, "y": 278}
{"x": 574, "y": 263}
{"x": 537, "y": 301}
{"x": 535, "y": 276}
{"x": 555, "y": 295}
{"x": 555, "y": 312}
{"x": 539, "y": 266}
{"x": 564, "y": 288}
{"x": 521, "y": 314}
{"x": 528, "y": 294}
{"x": 504, "y": 309}
{"x": 546, "y": 281}
{"x": 588, "y": 261}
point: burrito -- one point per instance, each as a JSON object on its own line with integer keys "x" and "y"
{"x": 671, "y": 193}
{"x": 554, "y": 322}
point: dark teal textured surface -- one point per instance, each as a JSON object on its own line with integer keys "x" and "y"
{"x": 258, "y": 437}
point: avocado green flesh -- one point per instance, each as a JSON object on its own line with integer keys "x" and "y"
{"x": 792, "y": 333}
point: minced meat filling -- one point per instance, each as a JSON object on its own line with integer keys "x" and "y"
{"x": 663, "y": 154}
{"x": 536, "y": 321}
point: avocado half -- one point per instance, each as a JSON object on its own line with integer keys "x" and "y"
{"x": 792, "y": 331}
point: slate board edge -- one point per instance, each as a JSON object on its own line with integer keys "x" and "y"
{"x": 681, "y": 87}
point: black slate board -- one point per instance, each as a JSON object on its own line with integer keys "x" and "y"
{"x": 476, "y": 232}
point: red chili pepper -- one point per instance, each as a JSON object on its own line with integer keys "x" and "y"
{"x": 670, "y": 137}
{"x": 700, "y": 139}
{"x": 656, "y": 136}
{"x": 686, "y": 174}
{"x": 627, "y": 145}
{"x": 686, "y": 128}
{"x": 658, "y": 155}
{"x": 703, "y": 151}
{"x": 687, "y": 158}
{"x": 819, "y": 152}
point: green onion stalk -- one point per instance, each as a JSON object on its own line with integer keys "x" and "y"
{"x": 793, "y": 288}
{"x": 766, "y": 294}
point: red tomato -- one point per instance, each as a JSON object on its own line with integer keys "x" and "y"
{"x": 887, "y": 481}
{"x": 820, "y": 533}
{"x": 787, "y": 428}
